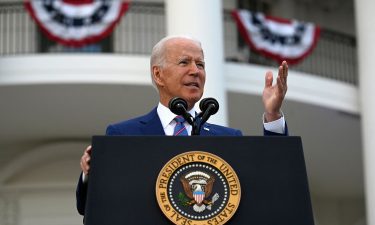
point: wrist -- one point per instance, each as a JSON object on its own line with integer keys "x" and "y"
{"x": 269, "y": 117}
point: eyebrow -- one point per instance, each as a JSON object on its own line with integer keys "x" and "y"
{"x": 189, "y": 57}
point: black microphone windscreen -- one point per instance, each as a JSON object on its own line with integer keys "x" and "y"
{"x": 177, "y": 105}
{"x": 206, "y": 102}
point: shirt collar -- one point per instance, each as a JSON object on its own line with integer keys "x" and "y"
{"x": 166, "y": 116}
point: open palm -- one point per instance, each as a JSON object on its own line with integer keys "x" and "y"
{"x": 273, "y": 95}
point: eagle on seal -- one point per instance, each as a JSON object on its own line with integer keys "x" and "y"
{"x": 198, "y": 186}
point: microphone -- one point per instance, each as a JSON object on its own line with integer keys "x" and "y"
{"x": 209, "y": 106}
{"x": 179, "y": 107}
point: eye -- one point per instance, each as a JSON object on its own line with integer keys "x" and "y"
{"x": 183, "y": 62}
{"x": 200, "y": 65}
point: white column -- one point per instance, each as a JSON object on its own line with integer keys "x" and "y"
{"x": 203, "y": 19}
{"x": 365, "y": 21}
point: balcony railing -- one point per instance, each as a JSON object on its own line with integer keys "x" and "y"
{"x": 144, "y": 24}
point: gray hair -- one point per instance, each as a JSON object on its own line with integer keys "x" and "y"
{"x": 158, "y": 52}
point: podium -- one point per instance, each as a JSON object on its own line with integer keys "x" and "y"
{"x": 271, "y": 171}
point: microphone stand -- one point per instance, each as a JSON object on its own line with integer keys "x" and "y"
{"x": 196, "y": 123}
{"x": 200, "y": 119}
{"x": 196, "y": 130}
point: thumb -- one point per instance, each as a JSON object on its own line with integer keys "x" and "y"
{"x": 269, "y": 79}
{"x": 88, "y": 149}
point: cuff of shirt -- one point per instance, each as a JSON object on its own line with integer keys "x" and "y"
{"x": 277, "y": 126}
{"x": 85, "y": 178}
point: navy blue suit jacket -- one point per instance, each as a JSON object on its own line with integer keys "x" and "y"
{"x": 150, "y": 124}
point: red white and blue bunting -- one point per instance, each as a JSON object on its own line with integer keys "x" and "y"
{"x": 276, "y": 38}
{"x": 76, "y": 22}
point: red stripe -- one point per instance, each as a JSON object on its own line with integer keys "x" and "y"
{"x": 278, "y": 20}
{"x": 178, "y": 132}
{"x": 78, "y": 2}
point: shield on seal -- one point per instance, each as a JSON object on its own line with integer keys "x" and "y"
{"x": 198, "y": 196}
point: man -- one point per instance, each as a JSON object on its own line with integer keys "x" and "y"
{"x": 178, "y": 70}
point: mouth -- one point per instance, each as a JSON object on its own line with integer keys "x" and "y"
{"x": 192, "y": 84}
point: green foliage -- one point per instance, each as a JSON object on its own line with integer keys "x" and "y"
{"x": 183, "y": 199}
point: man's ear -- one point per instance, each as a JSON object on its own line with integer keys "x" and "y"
{"x": 157, "y": 75}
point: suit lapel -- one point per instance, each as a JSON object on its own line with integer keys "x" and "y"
{"x": 151, "y": 125}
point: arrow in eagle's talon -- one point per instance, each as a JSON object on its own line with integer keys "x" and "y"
{"x": 213, "y": 200}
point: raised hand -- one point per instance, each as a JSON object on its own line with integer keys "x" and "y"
{"x": 273, "y": 95}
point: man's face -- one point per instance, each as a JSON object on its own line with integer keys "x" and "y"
{"x": 182, "y": 73}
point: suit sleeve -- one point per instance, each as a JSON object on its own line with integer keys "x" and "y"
{"x": 238, "y": 133}
{"x": 112, "y": 130}
{"x": 81, "y": 193}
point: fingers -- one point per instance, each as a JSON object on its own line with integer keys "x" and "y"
{"x": 283, "y": 72}
{"x": 85, "y": 160}
{"x": 269, "y": 79}
{"x": 282, "y": 78}
{"x": 88, "y": 149}
{"x": 280, "y": 86}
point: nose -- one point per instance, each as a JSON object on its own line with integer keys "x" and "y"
{"x": 194, "y": 69}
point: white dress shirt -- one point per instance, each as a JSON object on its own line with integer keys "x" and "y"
{"x": 168, "y": 122}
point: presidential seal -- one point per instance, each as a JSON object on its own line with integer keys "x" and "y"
{"x": 196, "y": 188}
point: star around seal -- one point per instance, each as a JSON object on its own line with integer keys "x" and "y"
{"x": 196, "y": 188}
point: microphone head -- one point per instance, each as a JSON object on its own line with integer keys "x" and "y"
{"x": 177, "y": 105}
{"x": 206, "y": 102}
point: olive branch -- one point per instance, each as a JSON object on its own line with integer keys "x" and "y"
{"x": 183, "y": 199}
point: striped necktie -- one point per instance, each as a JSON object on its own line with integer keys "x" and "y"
{"x": 180, "y": 129}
